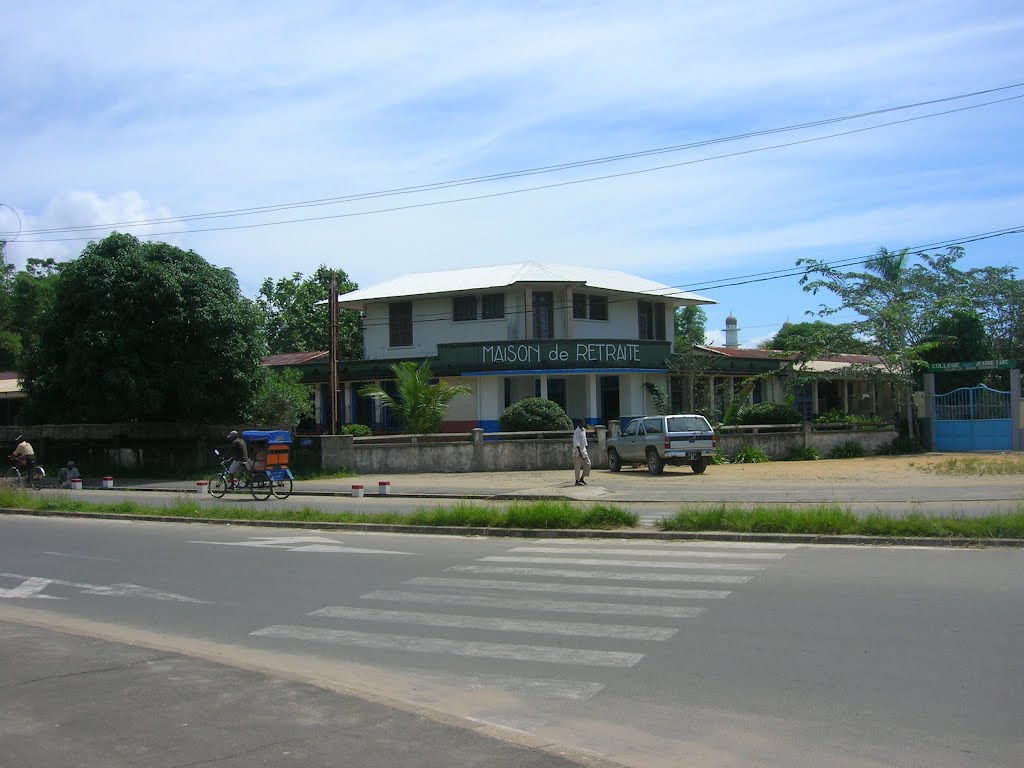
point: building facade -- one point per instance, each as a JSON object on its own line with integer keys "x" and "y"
{"x": 591, "y": 340}
{"x": 587, "y": 339}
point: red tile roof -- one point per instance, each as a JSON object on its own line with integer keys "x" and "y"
{"x": 293, "y": 358}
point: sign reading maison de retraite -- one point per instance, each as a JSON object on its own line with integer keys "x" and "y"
{"x": 570, "y": 353}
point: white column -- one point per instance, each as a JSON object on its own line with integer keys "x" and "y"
{"x": 544, "y": 386}
{"x": 592, "y": 401}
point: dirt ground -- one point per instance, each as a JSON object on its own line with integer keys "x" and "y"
{"x": 842, "y": 470}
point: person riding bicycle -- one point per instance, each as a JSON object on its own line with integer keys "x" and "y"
{"x": 238, "y": 453}
{"x": 23, "y": 456}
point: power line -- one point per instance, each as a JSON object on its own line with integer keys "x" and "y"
{"x": 732, "y": 282}
{"x": 532, "y": 171}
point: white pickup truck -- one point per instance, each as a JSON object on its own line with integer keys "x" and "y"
{"x": 660, "y": 440}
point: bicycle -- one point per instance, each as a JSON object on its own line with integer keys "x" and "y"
{"x": 32, "y": 478}
{"x": 257, "y": 483}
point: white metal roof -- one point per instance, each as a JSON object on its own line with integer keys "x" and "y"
{"x": 504, "y": 275}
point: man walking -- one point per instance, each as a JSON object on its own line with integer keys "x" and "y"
{"x": 580, "y": 454}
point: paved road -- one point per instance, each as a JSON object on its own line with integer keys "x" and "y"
{"x": 82, "y": 702}
{"x": 648, "y": 654}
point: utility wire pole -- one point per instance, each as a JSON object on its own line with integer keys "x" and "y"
{"x": 332, "y": 377}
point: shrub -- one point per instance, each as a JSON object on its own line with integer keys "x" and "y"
{"x": 750, "y": 454}
{"x": 902, "y": 445}
{"x": 768, "y": 413}
{"x": 803, "y": 453}
{"x": 533, "y": 413}
{"x": 851, "y": 449}
{"x": 356, "y": 430}
{"x": 718, "y": 457}
{"x": 836, "y": 416}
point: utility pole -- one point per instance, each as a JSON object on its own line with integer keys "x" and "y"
{"x": 332, "y": 377}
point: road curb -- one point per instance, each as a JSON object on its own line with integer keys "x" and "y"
{"x": 554, "y": 533}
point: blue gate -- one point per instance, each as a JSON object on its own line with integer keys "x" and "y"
{"x": 973, "y": 419}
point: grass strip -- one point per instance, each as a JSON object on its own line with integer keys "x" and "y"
{"x": 540, "y": 514}
{"x": 835, "y": 520}
{"x": 1003, "y": 465}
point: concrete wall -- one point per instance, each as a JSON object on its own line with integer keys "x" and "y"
{"x": 779, "y": 441}
{"x": 184, "y": 448}
{"x": 476, "y": 452}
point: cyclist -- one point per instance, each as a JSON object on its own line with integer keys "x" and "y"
{"x": 23, "y": 455}
{"x": 239, "y": 455}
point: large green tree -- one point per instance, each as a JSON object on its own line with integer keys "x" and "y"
{"x": 25, "y": 298}
{"x": 888, "y": 294}
{"x": 419, "y": 403}
{"x": 690, "y": 326}
{"x": 142, "y": 332}
{"x": 295, "y": 321}
{"x": 10, "y": 340}
{"x": 818, "y": 337}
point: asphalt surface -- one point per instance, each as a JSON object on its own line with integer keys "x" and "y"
{"x": 67, "y": 700}
{"x": 141, "y": 705}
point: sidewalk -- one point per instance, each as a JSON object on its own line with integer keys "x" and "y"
{"x": 865, "y": 485}
{"x": 67, "y": 700}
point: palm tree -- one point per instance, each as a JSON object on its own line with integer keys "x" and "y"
{"x": 419, "y": 404}
{"x": 891, "y": 268}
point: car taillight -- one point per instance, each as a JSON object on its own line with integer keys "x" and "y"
{"x": 668, "y": 443}
{"x": 714, "y": 441}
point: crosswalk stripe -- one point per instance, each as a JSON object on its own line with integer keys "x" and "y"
{"x": 526, "y": 604}
{"x": 543, "y": 688}
{"x": 652, "y": 553}
{"x": 623, "y": 563}
{"x": 620, "y": 631}
{"x": 692, "y": 578}
{"x": 667, "y": 546}
{"x": 576, "y": 589}
{"x": 533, "y": 653}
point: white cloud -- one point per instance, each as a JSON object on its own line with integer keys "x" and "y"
{"x": 118, "y": 111}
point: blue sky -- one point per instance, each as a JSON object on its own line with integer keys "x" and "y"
{"x": 126, "y": 111}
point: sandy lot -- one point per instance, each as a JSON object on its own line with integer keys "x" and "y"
{"x": 887, "y": 469}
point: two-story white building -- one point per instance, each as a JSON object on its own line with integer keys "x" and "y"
{"x": 587, "y": 339}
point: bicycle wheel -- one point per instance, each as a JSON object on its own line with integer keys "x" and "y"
{"x": 35, "y": 477}
{"x": 218, "y": 486}
{"x": 12, "y": 478}
{"x": 261, "y": 486}
{"x": 283, "y": 488}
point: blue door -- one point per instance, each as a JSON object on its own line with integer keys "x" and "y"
{"x": 973, "y": 419}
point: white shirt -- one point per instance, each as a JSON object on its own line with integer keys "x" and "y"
{"x": 579, "y": 441}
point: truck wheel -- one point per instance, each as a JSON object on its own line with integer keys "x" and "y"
{"x": 655, "y": 464}
{"x": 698, "y": 466}
{"x": 614, "y": 462}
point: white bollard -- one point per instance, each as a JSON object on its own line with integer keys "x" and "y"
{"x": 202, "y": 486}
{"x": 357, "y": 491}
{"x": 107, "y": 482}
{"x": 384, "y": 487}
{"x": 76, "y": 484}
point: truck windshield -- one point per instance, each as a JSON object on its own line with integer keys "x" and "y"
{"x": 688, "y": 424}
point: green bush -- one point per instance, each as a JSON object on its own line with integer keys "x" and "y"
{"x": 851, "y": 449}
{"x": 902, "y": 445}
{"x": 533, "y": 414}
{"x": 768, "y": 413}
{"x": 750, "y": 454}
{"x": 356, "y": 430}
{"x": 836, "y": 416}
{"x": 803, "y": 453}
